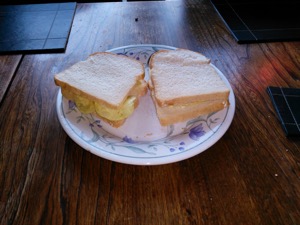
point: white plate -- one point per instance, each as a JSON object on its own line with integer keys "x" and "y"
{"x": 141, "y": 140}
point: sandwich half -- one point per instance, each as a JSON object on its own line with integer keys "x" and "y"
{"x": 184, "y": 85}
{"x": 106, "y": 84}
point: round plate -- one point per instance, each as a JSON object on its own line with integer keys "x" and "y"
{"x": 142, "y": 140}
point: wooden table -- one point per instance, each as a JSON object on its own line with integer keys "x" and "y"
{"x": 250, "y": 176}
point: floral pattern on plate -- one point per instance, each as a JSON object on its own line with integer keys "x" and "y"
{"x": 175, "y": 142}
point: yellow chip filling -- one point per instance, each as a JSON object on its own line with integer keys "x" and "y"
{"x": 116, "y": 114}
{"x": 87, "y": 106}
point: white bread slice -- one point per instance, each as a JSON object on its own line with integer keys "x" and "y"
{"x": 181, "y": 78}
{"x": 185, "y": 85}
{"x": 104, "y": 78}
{"x": 180, "y": 57}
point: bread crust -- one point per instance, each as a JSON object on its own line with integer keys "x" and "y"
{"x": 222, "y": 96}
{"x": 172, "y": 119}
{"x": 174, "y": 114}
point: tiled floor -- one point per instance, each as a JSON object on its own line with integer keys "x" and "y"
{"x": 286, "y": 103}
{"x": 10, "y": 2}
{"x": 35, "y": 27}
{"x": 261, "y": 21}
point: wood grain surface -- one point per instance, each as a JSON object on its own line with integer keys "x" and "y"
{"x": 250, "y": 176}
{"x": 8, "y": 65}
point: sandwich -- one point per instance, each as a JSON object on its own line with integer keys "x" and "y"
{"x": 184, "y": 85}
{"x": 106, "y": 84}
